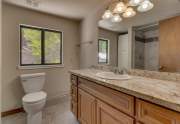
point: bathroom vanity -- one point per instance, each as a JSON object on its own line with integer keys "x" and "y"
{"x": 138, "y": 100}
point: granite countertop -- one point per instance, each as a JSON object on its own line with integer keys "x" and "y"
{"x": 164, "y": 93}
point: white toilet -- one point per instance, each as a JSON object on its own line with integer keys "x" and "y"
{"x": 35, "y": 99}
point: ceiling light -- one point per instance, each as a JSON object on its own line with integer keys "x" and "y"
{"x": 129, "y": 13}
{"x": 145, "y": 6}
{"x": 126, "y": 8}
{"x": 116, "y": 18}
{"x": 120, "y": 8}
{"x": 135, "y": 2}
{"x": 107, "y": 14}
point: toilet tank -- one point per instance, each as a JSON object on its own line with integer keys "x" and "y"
{"x": 33, "y": 82}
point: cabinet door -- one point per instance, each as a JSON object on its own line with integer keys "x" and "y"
{"x": 139, "y": 123}
{"x": 108, "y": 115}
{"x": 86, "y": 108}
{"x": 148, "y": 113}
{"x": 119, "y": 100}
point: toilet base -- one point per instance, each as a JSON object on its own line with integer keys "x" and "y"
{"x": 34, "y": 118}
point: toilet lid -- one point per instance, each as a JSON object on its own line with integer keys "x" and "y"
{"x": 34, "y": 97}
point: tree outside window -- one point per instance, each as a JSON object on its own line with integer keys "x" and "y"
{"x": 40, "y": 46}
{"x": 103, "y": 51}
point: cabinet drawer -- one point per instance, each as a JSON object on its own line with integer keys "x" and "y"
{"x": 74, "y": 79}
{"x": 149, "y": 113}
{"x": 115, "y": 98}
{"x": 74, "y": 108}
{"x": 108, "y": 115}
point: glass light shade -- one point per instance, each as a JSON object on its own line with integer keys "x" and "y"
{"x": 107, "y": 14}
{"x": 120, "y": 8}
{"x": 129, "y": 13}
{"x": 145, "y": 6}
{"x": 135, "y": 2}
{"x": 116, "y": 18}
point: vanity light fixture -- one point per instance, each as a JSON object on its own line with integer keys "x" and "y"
{"x": 145, "y": 6}
{"x": 135, "y": 2}
{"x": 119, "y": 8}
{"x": 107, "y": 14}
{"x": 129, "y": 13}
{"x": 116, "y": 18}
{"x": 126, "y": 8}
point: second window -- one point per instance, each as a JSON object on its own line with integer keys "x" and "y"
{"x": 103, "y": 51}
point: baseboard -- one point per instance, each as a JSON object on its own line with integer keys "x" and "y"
{"x": 11, "y": 112}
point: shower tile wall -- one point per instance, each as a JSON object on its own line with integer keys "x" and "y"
{"x": 139, "y": 50}
{"x": 151, "y": 59}
{"x": 147, "y": 50}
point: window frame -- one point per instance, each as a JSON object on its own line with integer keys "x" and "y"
{"x": 43, "y": 64}
{"x": 107, "y": 50}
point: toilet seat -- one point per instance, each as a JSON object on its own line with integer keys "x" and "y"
{"x": 34, "y": 97}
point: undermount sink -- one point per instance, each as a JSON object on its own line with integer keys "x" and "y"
{"x": 112, "y": 76}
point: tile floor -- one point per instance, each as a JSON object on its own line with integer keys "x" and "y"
{"x": 55, "y": 113}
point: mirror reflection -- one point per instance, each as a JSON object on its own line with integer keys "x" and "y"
{"x": 148, "y": 41}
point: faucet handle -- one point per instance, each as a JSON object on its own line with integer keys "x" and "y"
{"x": 124, "y": 71}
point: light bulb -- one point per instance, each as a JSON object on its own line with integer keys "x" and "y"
{"x": 120, "y": 8}
{"x": 107, "y": 14}
{"x": 135, "y": 2}
{"x": 145, "y": 6}
{"x": 116, "y": 18}
{"x": 129, "y": 13}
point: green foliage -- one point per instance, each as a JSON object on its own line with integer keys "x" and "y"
{"x": 52, "y": 44}
{"x": 102, "y": 46}
{"x": 33, "y": 37}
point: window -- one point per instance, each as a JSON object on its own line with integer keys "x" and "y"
{"x": 40, "y": 46}
{"x": 103, "y": 51}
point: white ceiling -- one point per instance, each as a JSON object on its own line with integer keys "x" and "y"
{"x": 75, "y": 9}
{"x": 79, "y": 9}
{"x": 163, "y": 9}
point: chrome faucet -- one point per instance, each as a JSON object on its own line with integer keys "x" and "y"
{"x": 116, "y": 71}
{"x": 123, "y": 71}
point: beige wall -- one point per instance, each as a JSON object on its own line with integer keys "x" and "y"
{"x": 57, "y": 82}
{"x": 113, "y": 38}
{"x": 89, "y": 33}
{"x": 88, "y": 44}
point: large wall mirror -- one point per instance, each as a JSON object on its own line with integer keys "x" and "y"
{"x": 148, "y": 41}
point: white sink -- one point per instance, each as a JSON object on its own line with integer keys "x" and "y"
{"x": 112, "y": 76}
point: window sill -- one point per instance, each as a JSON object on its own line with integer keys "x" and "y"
{"x": 40, "y": 67}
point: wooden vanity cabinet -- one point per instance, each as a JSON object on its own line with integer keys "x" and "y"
{"x": 93, "y": 103}
{"x": 74, "y": 95}
{"x": 138, "y": 123}
{"x": 119, "y": 100}
{"x": 109, "y": 115}
{"x": 86, "y": 108}
{"x": 101, "y": 105}
{"x": 148, "y": 113}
